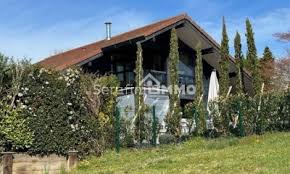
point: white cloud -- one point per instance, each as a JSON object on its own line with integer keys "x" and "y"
{"x": 38, "y": 43}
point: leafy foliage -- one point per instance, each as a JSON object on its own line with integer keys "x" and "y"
{"x": 139, "y": 97}
{"x": 14, "y": 131}
{"x": 267, "y": 68}
{"x": 50, "y": 112}
{"x": 239, "y": 63}
{"x": 167, "y": 139}
{"x": 224, "y": 63}
{"x": 173, "y": 117}
{"x": 252, "y": 63}
{"x": 195, "y": 114}
{"x": 255, "y": 115}
{"x": 198, "y": 72}
{"x": 101, "y": 94}
{"x": 56, "y": 111}
{"x": 4, "y": 67}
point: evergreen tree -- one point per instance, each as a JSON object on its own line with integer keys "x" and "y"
{"x": 224, "y": 63}
{"x": 139, "y": 98}
{"x": 267, "y": 68}
{"x": 199, "y": 107}
{"x": 252, "y": 59}
{"x": 173, "y": 116}
{"x": 252, "y": 50}
{"x": 198, "y": 72}
{"x": 239, "y": 63}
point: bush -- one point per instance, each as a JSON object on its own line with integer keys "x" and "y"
{"x": 56, "y": 112}
{"x": 126, "y": 133}
{"x": 270, "y": 112}
{"x": 275, "y": 112}
{"x": 45, "y": 111}
{"x": 128, "y": 140}
{"x": 15, "y": 134}
{"x": 195, "y": 113}
{"x": 101, "y": 99}
{"x": 61, "y": 114}
{"x": 167, "y": 139}
{"x": 234, "y": 115}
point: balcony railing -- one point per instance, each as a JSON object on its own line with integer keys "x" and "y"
{"x": 154, "y": 80}
{"x": 159, "y": 77}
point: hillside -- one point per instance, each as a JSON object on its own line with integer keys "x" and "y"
{"x": 269, "y": 153}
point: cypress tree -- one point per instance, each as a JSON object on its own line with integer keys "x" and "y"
{"x": 198, "y": 72}
{"x": 199, "y": 107}
{"x": 267, "y": 68}
{"x": 224, "y": 63}
{"x": 173, "y": 116}
{"x": 252, "y": 50}
{"x": 252, "y": 59}
{"x": 139, "y": 98}
{"x": 239, "y": 63}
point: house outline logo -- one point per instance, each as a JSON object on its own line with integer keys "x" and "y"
{"x": 149, "y": 79}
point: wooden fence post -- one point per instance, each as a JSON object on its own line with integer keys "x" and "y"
{"x": 72, "y": 159}
{"x": 7, "y": 160}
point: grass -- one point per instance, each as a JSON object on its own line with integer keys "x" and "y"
{"x": 269, "y": 153}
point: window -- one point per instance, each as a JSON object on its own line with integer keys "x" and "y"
{"x": 124, "y": 72}
{"x": 120, "y": 68}
{"x": 186, "y": 69}
{"x": 186, "y": 65}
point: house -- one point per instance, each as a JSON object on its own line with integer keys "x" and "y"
{"x": 117, "y": 55}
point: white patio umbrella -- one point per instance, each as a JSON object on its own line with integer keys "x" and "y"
{"x": 213, "y": 93}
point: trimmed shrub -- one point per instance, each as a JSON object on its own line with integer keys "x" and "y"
{"x": 167, "y": 139}
{"x": 275, "y": 112}
{"x": 56, "y": 112}
{"x": 63, "y": 115}
{"x": 270, "y": 112}
{"x": 234, "y": 115}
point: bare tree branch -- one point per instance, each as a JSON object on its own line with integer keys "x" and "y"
{"x": 284, "y": 37}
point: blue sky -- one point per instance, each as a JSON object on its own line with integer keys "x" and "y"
{"x": 35, "y": 29}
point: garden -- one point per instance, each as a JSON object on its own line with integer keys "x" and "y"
{"x": 44, "y": 111}
{"x": 48, "y": 112}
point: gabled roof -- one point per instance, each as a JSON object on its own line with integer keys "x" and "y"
{"x": 88, "y": 52}
{"x": 75, "y": 56}
{"x": 82, "y": 54}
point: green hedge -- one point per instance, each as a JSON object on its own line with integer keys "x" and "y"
{"x": 56, "y": 112}
{"x": 272, "y": 115}
{"x": 14, "y": 131}
{"x": 45, "y": 111}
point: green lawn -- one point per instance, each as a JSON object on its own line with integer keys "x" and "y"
{"x": 269, "y": 153}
